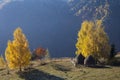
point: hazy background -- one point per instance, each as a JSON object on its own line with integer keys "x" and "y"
{"x": 50, "y": 24}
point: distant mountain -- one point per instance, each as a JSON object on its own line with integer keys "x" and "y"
{"x": 112, "y": 22}
{"x": 46, "y": 23}
{"x": 50, "y": 24}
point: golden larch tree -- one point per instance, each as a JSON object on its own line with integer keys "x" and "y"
{"x": 2, "y": 62}
{"x": 93, "y": 40}
{"x": 17, "y": 53}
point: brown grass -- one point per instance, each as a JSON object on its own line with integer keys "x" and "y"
{"x": 63, "y": 69}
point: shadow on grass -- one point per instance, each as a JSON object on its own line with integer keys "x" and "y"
{"x": 61, "y": 67}
{"x": 100, "y": 66}
{"x": 94, "y": 66}
{"x": 35, "y": 74}
{"x": 2, "y": 69}
{"x": 117, "y": 64}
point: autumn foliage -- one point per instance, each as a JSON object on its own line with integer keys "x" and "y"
{"x": 17, "y": 53}
{"x": 39, "y": 53}
{"x": 93, "y": 40}
{"x": 2, "y": 62}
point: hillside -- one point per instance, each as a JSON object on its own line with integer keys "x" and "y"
{"x": 63, "y": 69}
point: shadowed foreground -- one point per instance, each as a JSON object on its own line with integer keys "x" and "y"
{"x": 63, "y": 70}
{"x": 36, "y": 74}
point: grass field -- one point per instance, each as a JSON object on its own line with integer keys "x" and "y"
{"x": 63, "y": 69}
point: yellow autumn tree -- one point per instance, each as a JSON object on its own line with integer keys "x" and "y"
{"x": 2, "y": 62}
{"x": 17, "y": 53}
{"x": 93, "y": 40}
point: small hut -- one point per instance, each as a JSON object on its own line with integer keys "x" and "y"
{"x": 80, "y": 59}
{"x": 89, "y": 61}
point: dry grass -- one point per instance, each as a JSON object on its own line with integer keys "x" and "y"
{"x": 117, "y": 55}
{"x": 63, "y": 69}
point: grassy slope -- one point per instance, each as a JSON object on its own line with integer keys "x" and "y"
{"x": 63, "y": 70}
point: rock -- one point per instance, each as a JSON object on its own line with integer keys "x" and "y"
{"x": 73, "y": 61}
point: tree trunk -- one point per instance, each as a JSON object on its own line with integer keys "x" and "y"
{"x": 8, "y": 71}
{"x": 20, "y": 69}
{"x": 7, "y": 68}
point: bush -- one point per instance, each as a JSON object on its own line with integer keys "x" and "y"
{"x": 114, "y": 62}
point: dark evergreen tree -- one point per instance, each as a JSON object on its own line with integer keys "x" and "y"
{"x": 113, "y": 51}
